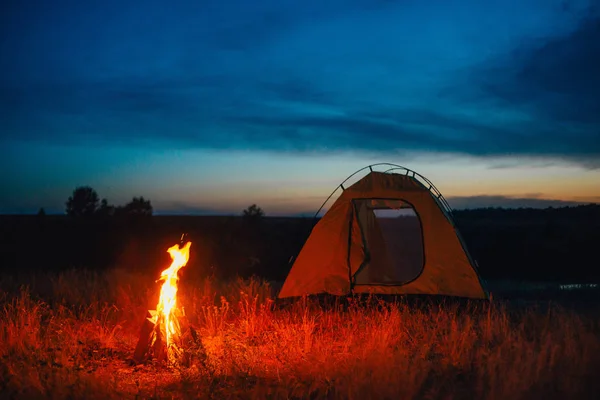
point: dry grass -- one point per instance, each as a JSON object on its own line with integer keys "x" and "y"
{"x": 70, "y": 336}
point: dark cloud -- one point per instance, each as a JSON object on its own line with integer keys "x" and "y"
{"x": 421, "y": 131}
{"x": 207, "y": 113}
{"x": 559, "y": 78}
{"x": 347, "y": 133}
{"x": 554, "y": 82}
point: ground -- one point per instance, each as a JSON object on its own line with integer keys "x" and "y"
{"x": 72, "y": 335}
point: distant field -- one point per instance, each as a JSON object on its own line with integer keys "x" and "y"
{"x": 552, "y": 245}
{"x": 71, "y": 335}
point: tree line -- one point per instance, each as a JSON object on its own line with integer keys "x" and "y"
{"x": 85, "y": 202}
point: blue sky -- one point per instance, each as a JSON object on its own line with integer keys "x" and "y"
{"x": 209, "y": 106}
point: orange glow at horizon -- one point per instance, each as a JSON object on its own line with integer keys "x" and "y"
{"x": 289, "y": 184}
{"x": 285, "y": 198}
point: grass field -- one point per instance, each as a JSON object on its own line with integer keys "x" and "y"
{"x": 71, "y": 335}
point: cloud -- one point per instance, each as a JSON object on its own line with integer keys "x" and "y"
{"x": 174, "y": 114}
{"x": 557, "y": 78}
{"x": 283, "y": 76}
{"x": 554, "y": 82}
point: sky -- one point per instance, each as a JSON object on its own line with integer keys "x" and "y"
{"x": 209, "y": 106}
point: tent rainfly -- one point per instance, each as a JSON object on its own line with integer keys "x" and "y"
{"x": 388, "y": 233}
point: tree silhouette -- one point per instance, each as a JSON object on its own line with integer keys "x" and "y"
{"x": 41, "y": 217}
{"x": 138, "y": 206}
{"x": 253, "y": 212}
{"x": 83, "y": 202}
{"x": 105, "y": 209}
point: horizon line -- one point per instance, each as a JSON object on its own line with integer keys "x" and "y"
{"x": 312, "y": 214}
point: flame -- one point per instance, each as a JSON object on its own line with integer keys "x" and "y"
{"x": 168, "y": 291}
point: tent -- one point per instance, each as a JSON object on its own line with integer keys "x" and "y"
{"x": 391, "y": 232}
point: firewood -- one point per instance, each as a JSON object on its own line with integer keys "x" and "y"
{"x": 145, "y": 339}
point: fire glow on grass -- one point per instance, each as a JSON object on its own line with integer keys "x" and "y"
{"x": 168, "y": 292}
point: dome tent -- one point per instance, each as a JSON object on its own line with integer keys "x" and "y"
{"x": 391, "y": 232}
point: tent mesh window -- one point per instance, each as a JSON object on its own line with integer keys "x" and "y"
{"x": 391, "y": 238}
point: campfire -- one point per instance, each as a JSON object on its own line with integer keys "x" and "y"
{"x": 166, "y": 329}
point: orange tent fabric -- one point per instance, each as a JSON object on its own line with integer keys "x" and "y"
{"x": 348, "y": 240}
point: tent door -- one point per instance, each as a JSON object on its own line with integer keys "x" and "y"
{"x": 392, "y": 239}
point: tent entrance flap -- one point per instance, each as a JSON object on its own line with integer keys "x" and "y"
{"x": 391, "y": 236}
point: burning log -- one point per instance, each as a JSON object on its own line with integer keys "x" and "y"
{"x": 147, "y": 335}
{"x": 152, "y": 343}
{"x": 161, "y": 336}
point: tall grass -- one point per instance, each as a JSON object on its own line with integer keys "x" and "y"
{"x": 71, "y": 335}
